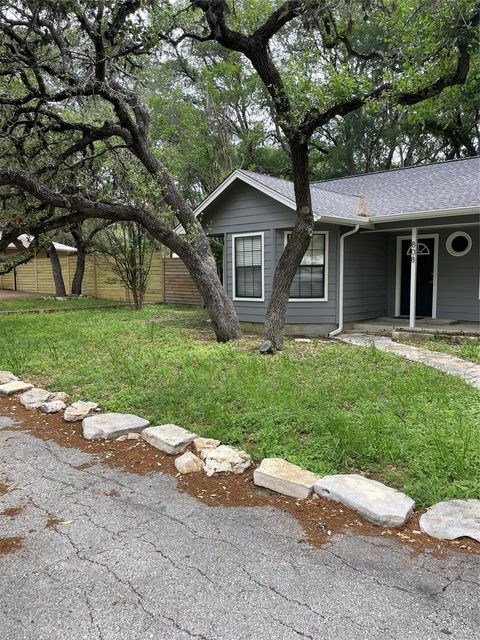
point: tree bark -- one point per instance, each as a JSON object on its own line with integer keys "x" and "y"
{"x": 203, "y": 269}
{"x": 295, "y": 249}
{"x": 60, "y": 290}
{"x": 79, "y": 271}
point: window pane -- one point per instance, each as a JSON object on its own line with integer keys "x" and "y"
{"x": 248, "y": 251}
{"x": 309, "y": 279}
{"x": 248, "y": 267}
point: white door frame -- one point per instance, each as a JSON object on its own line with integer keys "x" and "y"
{"x": 398, "y": 271}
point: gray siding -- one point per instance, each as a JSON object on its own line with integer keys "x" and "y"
{"x": 366, "y": 276}
{"x": 458, "y": 277}
{"x": 370, "y": 262}
{"x": 458, "y": 285}
{"x": 242, "y": 209}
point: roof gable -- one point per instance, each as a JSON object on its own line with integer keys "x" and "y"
{"x": 448, "y": 188}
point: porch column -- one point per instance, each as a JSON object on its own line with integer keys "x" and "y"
{"x": 413, "y": 277}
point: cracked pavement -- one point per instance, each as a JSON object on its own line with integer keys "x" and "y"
{"x": 148, "y": 561}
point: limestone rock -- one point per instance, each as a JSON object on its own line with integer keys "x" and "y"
{"x": 53, "y": 406}
{"x": 133, "y": 436}
{"x": 111, "y": 425}
{"x": 34, "y": 398}
{"x": 204, "y": 444}
{"x": 452, "y": 519}
{"x": 6, "y": 376}
{"x": 79, "y": 410}
{"x": 225, "y": 459}
{"x": 60, "y": 395}
{"x": 267, "y": 348}
{"x": 375, "y": 501}
{"x": 14, "y": 386}
{"x": 285, "y": 478}
{"x": 302, "y": 340}
{"x": 188, "y": 462}
{"x": 121, "y": 438}
{"x": 169, "y": 438}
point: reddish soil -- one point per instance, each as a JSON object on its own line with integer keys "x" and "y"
{"x": 9, "y": 545}
{"x": 320, "y": 518}
{"x": 12, "y": 512}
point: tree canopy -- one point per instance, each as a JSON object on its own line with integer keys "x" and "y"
{"x": 133, "y": 109}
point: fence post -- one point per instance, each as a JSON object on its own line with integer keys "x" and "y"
{"x": 35, "y": 266}
{"x": 95, "y": 276}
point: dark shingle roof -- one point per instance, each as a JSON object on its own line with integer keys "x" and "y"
{"x": 325, "y": 203}
{"x": 433, "y": 187}
{"x": 427, "y": 188}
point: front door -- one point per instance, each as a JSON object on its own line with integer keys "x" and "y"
{"x": 425, "y": 268}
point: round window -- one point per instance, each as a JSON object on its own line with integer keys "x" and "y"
{"x": 459, "y": 243}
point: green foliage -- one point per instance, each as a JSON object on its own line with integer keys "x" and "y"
{"x": 328, "y": 407}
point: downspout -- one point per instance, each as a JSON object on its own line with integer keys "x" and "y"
{"x": 339, "y": 329}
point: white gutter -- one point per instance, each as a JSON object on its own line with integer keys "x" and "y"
{"x": 424, "y": 215}
{"x": 339, "y": 329}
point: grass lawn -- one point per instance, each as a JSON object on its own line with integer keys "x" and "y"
{"x": 50, "y": 302}
{"x": 327, "y": 406}
{"x": 466, "y": 350}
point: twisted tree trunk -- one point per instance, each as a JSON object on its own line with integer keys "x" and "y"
{"x": 79, "y": 271}
{"x": 60, "y": 290}
{"x": 295, "y": 249}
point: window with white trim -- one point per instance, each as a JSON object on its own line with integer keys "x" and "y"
{"x": 309, "y": 281}
{"x": 248, "y": 258}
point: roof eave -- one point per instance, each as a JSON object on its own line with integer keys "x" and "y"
{"x": 418, "y": 215}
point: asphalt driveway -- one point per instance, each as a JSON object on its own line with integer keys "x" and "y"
{"x": 111, "y": 555}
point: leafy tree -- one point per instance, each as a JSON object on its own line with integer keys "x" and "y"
{"x": 75, "y": 117}
{"x": 130, "y": 248}
{"x": 76, "y": 132}
{"x": 320, "y": 61}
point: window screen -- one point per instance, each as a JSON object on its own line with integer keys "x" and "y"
{"x": 248, "y": 267}
{"x": 309, "y": 281}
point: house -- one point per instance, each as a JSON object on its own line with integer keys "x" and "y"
{"x": 402, "y": 243}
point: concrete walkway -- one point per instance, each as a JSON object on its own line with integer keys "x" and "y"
{"x": 469, "y": 371}
{"x": 110, "y": 555}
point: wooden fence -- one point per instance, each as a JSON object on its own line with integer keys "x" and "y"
{"x": 179, "y": 287}
{"x": 168, "y": 281}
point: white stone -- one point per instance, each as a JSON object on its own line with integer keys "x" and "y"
{"x": 375, "y": 501}
{"x": 203, "y": 444}
{"x": 300, "y": 340}
{"x": 225, "y": 459}
{"x": 452, "y": 519}
{"x": 60, "y": 395}
{"x": 285, "y": 478}
{"x": 15, "y": 386}
{"x": 111, "y": 425}
{"x": 53, "y": 406}
{"x": 34, "y": 398}
{"x": 133, "y": 436}
{"x": 6, "y": 376}
{"x": 188, "y": 462}
{"x": 169, "y": 438}
{"x": 79, "y": 410}
{"x": 121, "y": 438}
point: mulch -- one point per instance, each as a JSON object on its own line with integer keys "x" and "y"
{"x": 319, "y": 518}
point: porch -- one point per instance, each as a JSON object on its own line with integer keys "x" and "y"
{"x": 435, "y": 327}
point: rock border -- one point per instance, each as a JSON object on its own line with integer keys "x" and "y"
{"x": 213, "y": 457}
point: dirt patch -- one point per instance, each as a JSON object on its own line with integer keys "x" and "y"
{"x": 112, "y": 493}
{"x": 12, "y": 512}
{"x": 3, "y": 489}
{"x": 10, "y": 545}
{"x": 319, "y": 518}
{"x": 52, "y": 523}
